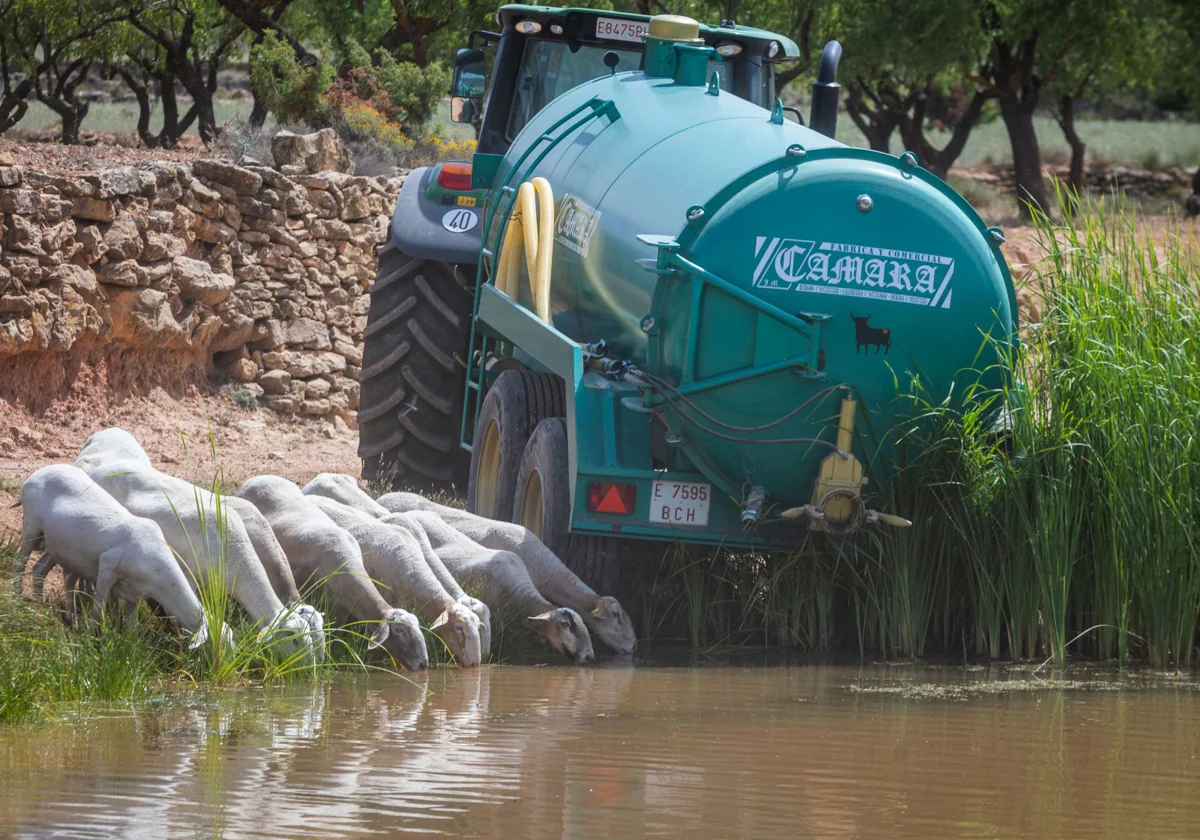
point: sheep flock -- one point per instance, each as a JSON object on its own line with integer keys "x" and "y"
{"x": 122, "y": 529}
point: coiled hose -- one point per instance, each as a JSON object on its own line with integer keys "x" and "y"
{"x": 531, "y": 232}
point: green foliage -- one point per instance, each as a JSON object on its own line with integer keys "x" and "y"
{"x": 290, "y": 90}
{"x": 400, "y": 92}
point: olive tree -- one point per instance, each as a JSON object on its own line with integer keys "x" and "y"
{"x": 47, "y": 49}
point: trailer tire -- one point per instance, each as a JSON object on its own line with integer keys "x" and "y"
{"x": 601, "y": 562}
{"x": 542, "y": 504}
{"x": 517, "y": 401}
{"x": 413, "y": 376}
{"x": 542, "y": 500}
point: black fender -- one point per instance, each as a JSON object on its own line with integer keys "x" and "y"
{"x": 418, "y": 227}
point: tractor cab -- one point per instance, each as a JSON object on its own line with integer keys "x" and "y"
{"x": 541, "y": 52}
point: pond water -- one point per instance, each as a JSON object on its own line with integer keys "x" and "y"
{"x": 619, "y": 751}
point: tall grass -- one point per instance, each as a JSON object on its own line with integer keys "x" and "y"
{"x": 1072, "y": 529}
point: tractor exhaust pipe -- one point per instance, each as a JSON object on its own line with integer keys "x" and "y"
{"x": 824, "y": 114}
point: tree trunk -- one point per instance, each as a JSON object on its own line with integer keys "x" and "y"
{"x": 1027, "y": 163}
{"x": 1066, "y": 121}
{"x": 14, "y": 104}
{"x": 140, "y": 92}
{"x": 258, "y": 114}
{"x": 877, "y": 124}
{"x": 939, "y": 161}
{"x": 61, "y": 99}
{"x": 207, "y": 118}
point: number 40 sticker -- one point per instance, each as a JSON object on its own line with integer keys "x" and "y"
{"x": 460, "y": 220}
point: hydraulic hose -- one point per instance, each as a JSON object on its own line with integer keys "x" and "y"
{"x": 531, "y": 232}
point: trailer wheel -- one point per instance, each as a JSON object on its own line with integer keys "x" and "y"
{"x": 542, "y": 504}
{"x": 517, "y": 401}
{"x": 601, "y": 562}
{"x": 412, "y": 375}
{"x": 543, "y": 496}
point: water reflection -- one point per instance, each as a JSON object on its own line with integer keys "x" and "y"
{"x": 620, "y": 752}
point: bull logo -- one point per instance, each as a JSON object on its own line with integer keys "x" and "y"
{"x": 867, "y": 336}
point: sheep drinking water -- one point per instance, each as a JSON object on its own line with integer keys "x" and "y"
{"x": 503, "y": 581}
{"x": 394, "y": 559}
{"x": 115, "y": 445}
{"x": 317, "y": 549}
{"x": 211, "y": 541}
{"x": 344, "y": 488}
{"x": 604, "y": 615}
{"x": 91, "y": 535}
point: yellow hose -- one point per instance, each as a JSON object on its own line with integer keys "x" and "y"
{"x": 531, "y": 231}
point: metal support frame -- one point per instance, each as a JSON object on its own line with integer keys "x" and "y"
{"x": 569, "y": 123}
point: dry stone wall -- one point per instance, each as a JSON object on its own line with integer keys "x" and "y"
{"x": 264, "y": 275}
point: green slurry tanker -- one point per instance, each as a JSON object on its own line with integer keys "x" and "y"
{"x": 657, "y": 305}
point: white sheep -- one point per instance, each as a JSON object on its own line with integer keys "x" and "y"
{"x": 318, "y": 550}
{"x": 393, "y": 558}
{"x": 334, "y": 486}
{"x": 279, "y": 573}
{"x": 211, "y": 542}
{"x": 500, "y": 577}
{"x": 448, "y": 581}
{"x": 93, "y": 537}
{"x": 603, "y": 614}
{"x": 114, "y": 445}
{"x": 344, "y": 488}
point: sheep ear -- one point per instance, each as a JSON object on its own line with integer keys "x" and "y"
{"x": 598, "y": 612}
{"x": 544, "y": 617}
{"x": 379, "y": 636}
{"x": 440, "y": 620}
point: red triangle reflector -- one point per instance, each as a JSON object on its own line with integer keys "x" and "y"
{"x": 612, "y": 502}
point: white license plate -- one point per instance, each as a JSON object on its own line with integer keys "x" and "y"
{"x": 621, "y": 30}
{"x": 680, "y": 502}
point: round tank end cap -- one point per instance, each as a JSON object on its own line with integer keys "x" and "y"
{"x": 674, "y": 28}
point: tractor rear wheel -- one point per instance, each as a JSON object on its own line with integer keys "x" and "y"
{"x": 517, "y": 401}
{"x": 413, "y": 375}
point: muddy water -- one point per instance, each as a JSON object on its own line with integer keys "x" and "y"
{"x": 617, "y": 751}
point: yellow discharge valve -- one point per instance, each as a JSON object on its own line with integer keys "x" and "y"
{"x": 530, "y": 232}
{"x": 836, "y": 505}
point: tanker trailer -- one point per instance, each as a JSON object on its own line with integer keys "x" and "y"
{"x": 689, "y": 311}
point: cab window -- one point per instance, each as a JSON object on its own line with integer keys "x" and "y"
{"x": 549, "y": 69}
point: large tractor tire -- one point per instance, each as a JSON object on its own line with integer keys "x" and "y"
{"x": 413, "y": 375}
{"x": 542, "y": 503}
{"x": 514, "y": 405}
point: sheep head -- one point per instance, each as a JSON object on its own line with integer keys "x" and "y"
{"x": 292, "y": 631}
{"x": 566, "y": 632}
{"x": 612, "y": 624}
{"x": 316, "y": 626}
{"x": 400, "y": 635}
{"x": 459, "y": 628}
{"x": 485, "y": 623}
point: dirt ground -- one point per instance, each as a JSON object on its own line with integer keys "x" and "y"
{"x": 77, "y": 160}
{"x": 195, "y": 436}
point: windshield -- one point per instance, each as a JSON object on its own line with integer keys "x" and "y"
{"x": 549, "y": 69}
